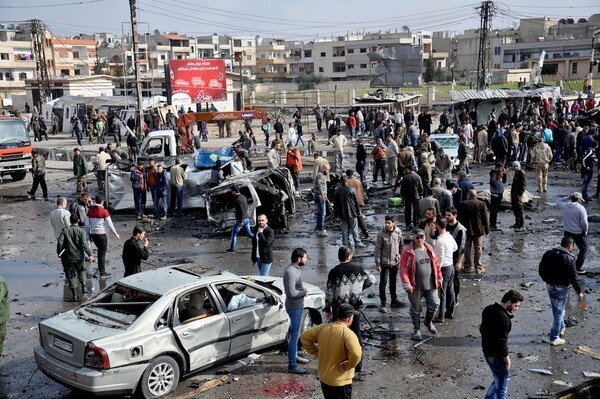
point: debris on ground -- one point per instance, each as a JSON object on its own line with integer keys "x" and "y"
{"x": 541, "y": 371}
{"x": 413, "y": 376}
{"x": 527, "y": 284}
{"x": 204, "y": 387}
{"x": 549, "y": 220}
{"x": 561, "y": 383}
{"x": 479, "y": 388}
{"x": 250, "y": 359}
{"x": 586, "y": 350}
{"x": 591, "y": 374}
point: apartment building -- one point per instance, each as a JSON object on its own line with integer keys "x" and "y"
{"x": 299, "y": 59}
{"x": 271, "y": 55}
{"x": 71, "y": 56}
{"x": 17, "y": 63}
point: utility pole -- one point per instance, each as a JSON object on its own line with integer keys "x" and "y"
{"x": 592, "y": 62}
{"x": 486, "y": 11}
{"x": 38, "y": 37}
{"x": 138, "y": 84}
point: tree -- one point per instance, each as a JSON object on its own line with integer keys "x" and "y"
{"x": 308, "y": 81}
{"x": 249, "y": 83}
{"x": 97, "y": 65}
{"x": 428, "y": 76}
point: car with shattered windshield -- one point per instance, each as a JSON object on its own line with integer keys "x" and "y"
{"x": 147, "y": 331}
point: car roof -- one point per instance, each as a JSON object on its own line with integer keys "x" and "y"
{"x": 166, "y": 279}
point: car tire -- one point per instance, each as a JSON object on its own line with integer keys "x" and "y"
{"x": 160, "y": 378}
{"x": 18, "y": 176}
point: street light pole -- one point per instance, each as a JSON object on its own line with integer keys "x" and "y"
{"x": 241, "y": 82}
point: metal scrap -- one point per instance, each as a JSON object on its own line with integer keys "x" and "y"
{"x": 541, "y": 371}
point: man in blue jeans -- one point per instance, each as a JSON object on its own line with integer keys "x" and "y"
{"x": 557, "y": 269}
{"x": 495, "y": 327}
{"x": 294, "y": 305}
{"x": 240, "y": 204}
{"x": 320, "y": 197}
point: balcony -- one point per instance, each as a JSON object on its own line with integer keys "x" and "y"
{"x": 270, "y": 61}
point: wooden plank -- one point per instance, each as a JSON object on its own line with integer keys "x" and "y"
{"x": 586, "y": 350}
{"x": 204, "y": 387}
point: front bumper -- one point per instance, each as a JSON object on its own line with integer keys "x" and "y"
{"x": 117, "y": 381}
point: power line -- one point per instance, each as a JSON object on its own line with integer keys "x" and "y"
{"x": 78, "y": 3}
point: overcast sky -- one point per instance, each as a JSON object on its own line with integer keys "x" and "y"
{"x": 289, "y": 19}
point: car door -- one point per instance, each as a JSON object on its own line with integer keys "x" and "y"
{"x": 204, "y": 338}
{"x": 255, "y": 319}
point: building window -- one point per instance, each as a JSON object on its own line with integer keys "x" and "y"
{"x": 249, "y": 44}
{"x": 75, "y": 54}
{"x": 350, "y": 66}
{"x": 323, "y": 54}
{"x": 363, "y": 50}
{"x": 321, "y": 69}
{"x": 4, "y": 56}
{"x": 77, "y": 72}
{"x": 237, "y": 43}
{"x": 350, "y": 51}
{"x": 363, "y": 66}
{"x": 574, "y": 67}
{"x": 248, "y": 58}
{"x": 497, "y": 50}
{"x": 301, "y": 69}
{"x": 163, "y": 57}
{"x": 339, "y": 67}
{"x": 22, "y": 76}
{"x": 64, "y": 72}
{"x": 307, "y": 53}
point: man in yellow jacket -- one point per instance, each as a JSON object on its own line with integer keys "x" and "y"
{"x": 338, "y": 351}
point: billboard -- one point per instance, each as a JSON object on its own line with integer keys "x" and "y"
{"x": 197, "y": 81}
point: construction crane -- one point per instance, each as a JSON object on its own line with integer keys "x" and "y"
{"x": 38, "y": 36}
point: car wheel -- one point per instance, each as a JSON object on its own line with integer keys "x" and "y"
{"x": 160, "y": 378}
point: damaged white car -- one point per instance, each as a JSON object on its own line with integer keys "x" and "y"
{"x": 147, "y": 331}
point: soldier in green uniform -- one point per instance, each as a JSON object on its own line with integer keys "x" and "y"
{"x": 72, "y": 243}
{"x": 4, "y": 311}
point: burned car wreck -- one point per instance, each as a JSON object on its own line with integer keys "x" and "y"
{"x": 269, "y": 191}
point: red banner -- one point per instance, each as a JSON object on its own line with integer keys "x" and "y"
{"x": 198, "y": 81}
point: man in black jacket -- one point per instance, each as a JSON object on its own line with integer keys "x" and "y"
{"x": 134, "y": 251}
{"x": 240, "y": 203}
{"x": 262, "y": 245}
{"x": 495, "y": 327}
{"x": 557, "y": 269}
{"x": 411, "y": 190}
{"x": 345, "y": 284}
{"x": 517, "y": 190}
{"x": 345, "y": 204}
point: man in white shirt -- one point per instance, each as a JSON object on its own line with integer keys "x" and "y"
{"x": 292, "y": 135}
{"x": 338, "y": 142}
{"x": 59, "y": 218}
{"x": 101, "y": 166}
{"x": 360, "y": 121}
{"x": 445, "y": 245}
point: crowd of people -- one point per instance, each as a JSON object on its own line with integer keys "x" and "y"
{"x": 444, "y": 220}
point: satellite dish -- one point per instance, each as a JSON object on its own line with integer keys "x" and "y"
{"x": 405, "y": 29}
{"x": 582, "y": 21}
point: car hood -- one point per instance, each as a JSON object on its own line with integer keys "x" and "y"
{"x": 66, "y": 336}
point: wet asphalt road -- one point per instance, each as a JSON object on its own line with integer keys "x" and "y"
{"x": 449, "y": 365}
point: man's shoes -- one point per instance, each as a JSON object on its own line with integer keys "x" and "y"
{"x": 296, "y": 370}
{"x": 397, "y": 304}
{"x": 365, "y": 234}
{"x": 580, "y": 271}
{"x": 562, "y": 332}
{"x": 359, "y": 245}
{"x": 383, "y": 309}
{"x": 597, "y": 195}
{"x": 558, "y": 341}
{"x": 467, "y": 270}
{"x": 431, "y": 328}
{"x": 302, "y": 360}
{"x": 514, "y": 226}
{"x": 230, "y": 250}
{"x": 480, "y": 270}
{"x": 104, "y": 276}
{"x": 322, "y": 233}
{"x": 163, "y": 218}
{"x": 46, "y": 199}
{"x": 438, "y": 321}
{"x": 416, "y": 336}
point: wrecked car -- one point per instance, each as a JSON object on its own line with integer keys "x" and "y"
{"x": 147, "y": 331}
{"x": 269, "y": 191}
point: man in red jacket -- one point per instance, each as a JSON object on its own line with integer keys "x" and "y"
{"x": 421, "y": 276}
